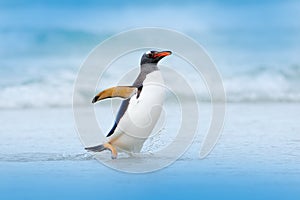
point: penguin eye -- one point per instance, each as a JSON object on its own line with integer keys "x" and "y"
{"x": 149, "y": 54}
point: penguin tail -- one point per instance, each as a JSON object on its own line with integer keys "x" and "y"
{"x": 97, "y": 148}
{"x": 102, "y": 147}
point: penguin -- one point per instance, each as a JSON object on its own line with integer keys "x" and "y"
{"x": 140, "y": 109}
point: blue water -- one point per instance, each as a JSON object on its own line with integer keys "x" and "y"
{"x": 253, "y": 28}
{"x": 255, "y": 45}
{"x": 257, "y": 157}
{"x": 88, "y": 179}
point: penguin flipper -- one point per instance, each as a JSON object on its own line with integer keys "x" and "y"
{"x": 102, "y": 147}
{"x": 124, "y": 92}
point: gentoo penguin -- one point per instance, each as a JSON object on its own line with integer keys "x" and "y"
{"x": 139, "y": 111}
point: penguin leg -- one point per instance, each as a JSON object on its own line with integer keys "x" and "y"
{"x": 102, "y": 147}
{"x": 124, "y": 92}
{"x": 112, "y": 149}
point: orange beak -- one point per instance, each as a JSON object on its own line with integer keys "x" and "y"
{"x": 162, "y": 54}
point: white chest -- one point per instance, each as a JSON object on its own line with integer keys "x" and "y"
{"x": 142, "y": 114}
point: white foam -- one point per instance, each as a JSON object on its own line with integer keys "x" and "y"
{"x": 55, "y": 89}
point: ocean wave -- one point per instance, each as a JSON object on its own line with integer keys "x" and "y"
{"x": 38, "y": 90}
{"x": 264, "y": 84}
{"x": 56, "y": 89}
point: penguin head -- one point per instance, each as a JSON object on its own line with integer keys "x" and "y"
{"x": 154, "y": 56}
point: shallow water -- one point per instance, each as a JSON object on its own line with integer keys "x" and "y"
{"x": 257, "y": 155}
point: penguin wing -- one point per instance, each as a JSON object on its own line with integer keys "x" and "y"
{"x": 138, "y": 83}
{"x": 124, "y": 92}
